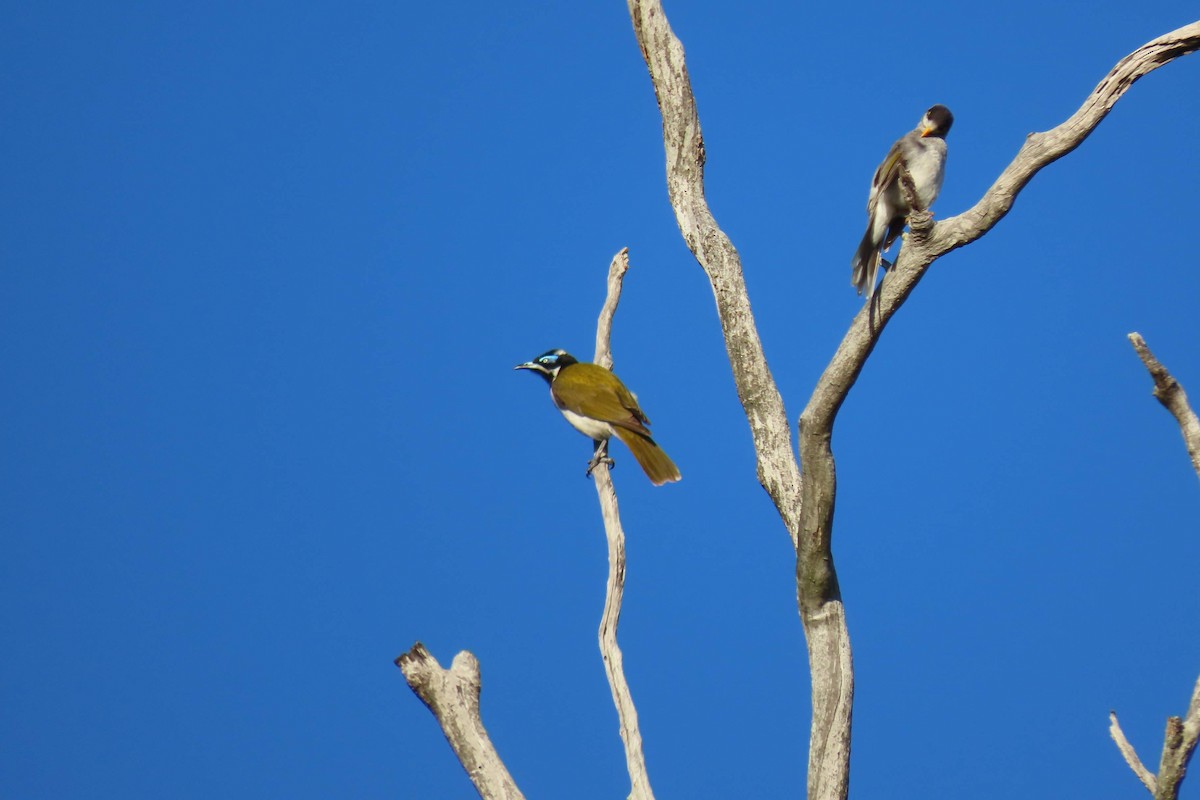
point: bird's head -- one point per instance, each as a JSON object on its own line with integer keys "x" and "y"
{"x": 549, "y": 363}
{"x": 936, "y": 122}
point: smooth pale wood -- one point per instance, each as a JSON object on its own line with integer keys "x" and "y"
{"x": 453, "y": 697}
{"x": 1131, "y": 757}
{"x": 610, "y": 652}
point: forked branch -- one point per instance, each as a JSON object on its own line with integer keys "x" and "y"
{"x": 1182, "y": 734}
{"x": 1178, "y": 746}
{"x": 821, "y": 610}
{"x": 806, "y": 506}
{"x": 453, "y": 697}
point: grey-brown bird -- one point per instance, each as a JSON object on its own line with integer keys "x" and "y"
{"x": 923, "y": 152}
{"x": 599, "y": 406}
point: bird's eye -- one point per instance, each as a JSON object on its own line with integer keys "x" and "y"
{"x": 547, "y": 360}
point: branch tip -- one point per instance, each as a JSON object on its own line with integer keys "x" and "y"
{"x": 1131, "y": 757}
{"x": 1170, "y": 393}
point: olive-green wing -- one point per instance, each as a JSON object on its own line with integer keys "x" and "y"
{"x": 594, "y": 392}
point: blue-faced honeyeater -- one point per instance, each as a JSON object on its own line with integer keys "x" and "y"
{"x": 598, "y": 405}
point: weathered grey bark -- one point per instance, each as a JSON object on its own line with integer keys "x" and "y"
{"x": 777, "y": 468}
{"x": 1179, "y": 744}
{"x": 1174, "y": 399}
{"x": 1182, "y": 734}
{"x": 927, "y": 242}
{"x": 807, "y": 506}
{"x": 819, "y": 598}
{"x": 453, "y": 697}
{"x": 631, "y": 737}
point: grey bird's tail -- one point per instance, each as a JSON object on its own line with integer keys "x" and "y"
{"x": 865, "y": 266}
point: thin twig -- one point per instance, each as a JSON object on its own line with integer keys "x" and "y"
{"x": 1131, "y": 757}
{"x": 614, "y": 668}
{"x": 1173, "y": 397}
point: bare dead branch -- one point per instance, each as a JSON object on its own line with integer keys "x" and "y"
{"x": 610, "y": 652}
{"x": 1174, "y": 399}
{"x": 1179, "y": 744}
{"x": 616, "y": 278}
{"x": 920, "y": 251}
{"x": 1182, "y": 734}
{"x": 806, "y": 506}
{"x": 777, "y": 468}
{"x": 1131, "y": 757}
{"x": 453, "y": 697}
{"x": 821, "y": 611}
{"x": 1041, "y": 149}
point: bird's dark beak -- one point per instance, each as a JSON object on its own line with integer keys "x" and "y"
{"x": 526, "y": 365}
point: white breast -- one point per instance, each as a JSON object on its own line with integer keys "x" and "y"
{"x": 927, "y": 165}
{"x": 591, "y": 428}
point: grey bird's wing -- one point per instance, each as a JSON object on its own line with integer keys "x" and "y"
{"x": 888, "y": 172}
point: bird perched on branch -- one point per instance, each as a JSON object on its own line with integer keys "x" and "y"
{"x": 598, "y": 405}
{"x": 922, "y": 152}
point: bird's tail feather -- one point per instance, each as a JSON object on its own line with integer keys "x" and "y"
{"x": 865, "y": 266}
{"x": 657, "y": 465}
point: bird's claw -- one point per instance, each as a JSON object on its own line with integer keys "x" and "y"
{"x": 597, "y": 461}
{"x": 600, "y": 457}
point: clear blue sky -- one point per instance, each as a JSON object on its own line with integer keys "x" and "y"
{"x": 265, "y": 269}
